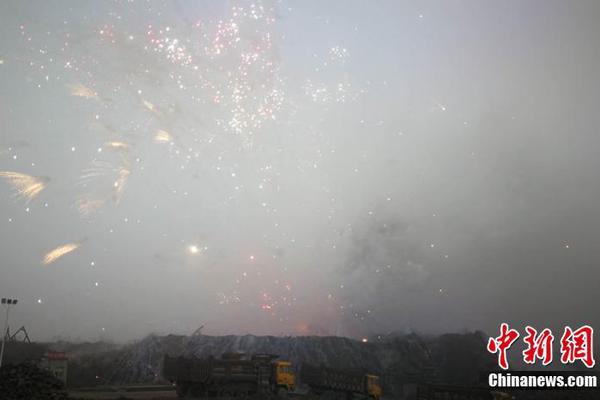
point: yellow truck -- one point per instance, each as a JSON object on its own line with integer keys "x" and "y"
{"x": 238, "y": 375}
{"x": 283, "y": 376}
{"x": 231, "y": 375}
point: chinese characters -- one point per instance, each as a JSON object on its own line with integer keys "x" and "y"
{"x": 575, "y": 345}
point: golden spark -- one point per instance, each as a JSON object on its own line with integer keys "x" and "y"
{"x": 80, "y": 90}
{"x": 25, "y": 186}
{"x": 117, "y": 174}
{"x": 58, "y": 252}
{"x": 163, "y": 137}
{"x": 148, "y": 105}
{"x": 116, "y": 145}
{"x": 151, "y": 107}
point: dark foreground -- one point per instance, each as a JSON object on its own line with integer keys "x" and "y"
{"x": 134, "y": 371}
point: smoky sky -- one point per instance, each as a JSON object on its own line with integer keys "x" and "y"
{"x": 343, "y": 167}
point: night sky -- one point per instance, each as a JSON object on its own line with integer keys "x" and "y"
{"x": 304, "y": 167}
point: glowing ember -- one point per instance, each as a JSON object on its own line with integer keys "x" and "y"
{"x": 59, "y": 252}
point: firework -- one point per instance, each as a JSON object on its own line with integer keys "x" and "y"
{"x": 87, "y": 206}
{"x": 98, "y": 169}
{"x": 151, "y": 107}
{"x": 25, "y": 186}
{"x": 106, "y": 180}
{"x": 119, "y": 185}
{"x": 58, "y": 252}
{"x": 80, "y": 90}
{"x": 163, "y": 137}
{"x": 116, "y": 145}
{"x": 148, "y": 105}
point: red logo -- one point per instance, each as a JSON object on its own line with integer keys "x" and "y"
{"x": 538, "y": 346}
{"x": 577, "y": 345}
{"x": 502, "y": 343}
{"x": 574, "y": 345}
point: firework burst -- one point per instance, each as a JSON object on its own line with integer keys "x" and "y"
{"x": 104, "y": 181}
{"x": 25, "y": 186}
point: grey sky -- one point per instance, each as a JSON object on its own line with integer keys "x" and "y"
{"x": 328, "y": 167}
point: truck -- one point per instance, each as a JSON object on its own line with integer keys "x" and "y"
{"x": 233, "y": 374}
{"x": 349, "y": 382}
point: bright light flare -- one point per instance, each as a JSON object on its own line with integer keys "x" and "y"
{"x": 25, "y": 186}
{"x": 116, "y": 145}
{"x": 151, "y": 107}
{"x": 59, "y": 252}
{"x": 163, "y": 137}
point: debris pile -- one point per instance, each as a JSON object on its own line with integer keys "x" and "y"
{"x": 397, "y": 358}
{"x": 26, "y": 381}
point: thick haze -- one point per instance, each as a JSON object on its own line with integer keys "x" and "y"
{"x": 300, "y": 167}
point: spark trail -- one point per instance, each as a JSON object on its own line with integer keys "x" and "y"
{"x": 25, "y": 186}
{"x": 59, "y": 252}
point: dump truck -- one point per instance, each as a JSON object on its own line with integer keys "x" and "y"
{"x": 321, "y": 379}
{"x": 232, "y": 375}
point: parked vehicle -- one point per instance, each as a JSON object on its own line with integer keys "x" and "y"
{"x": 322, "y": 379}
{"x": 231, "y": 375}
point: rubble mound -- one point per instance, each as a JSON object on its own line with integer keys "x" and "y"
{"x": 26, "y": 381}
{"x": 397, "y": 358}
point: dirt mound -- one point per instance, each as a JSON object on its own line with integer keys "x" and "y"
{"x": 397, "y": 359}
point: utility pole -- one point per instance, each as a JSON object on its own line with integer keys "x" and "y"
{"x": 7, "y": 303}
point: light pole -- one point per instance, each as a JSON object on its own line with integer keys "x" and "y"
{"x": 7, "y": 303}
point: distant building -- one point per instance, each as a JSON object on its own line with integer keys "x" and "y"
{"x": 56, "y": 362}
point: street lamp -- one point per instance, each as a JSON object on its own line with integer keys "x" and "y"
{"x": 7, "y": 303}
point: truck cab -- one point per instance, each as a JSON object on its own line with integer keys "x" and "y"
{"x": 373, "y": 386}
{"x": 283, "y": 375}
